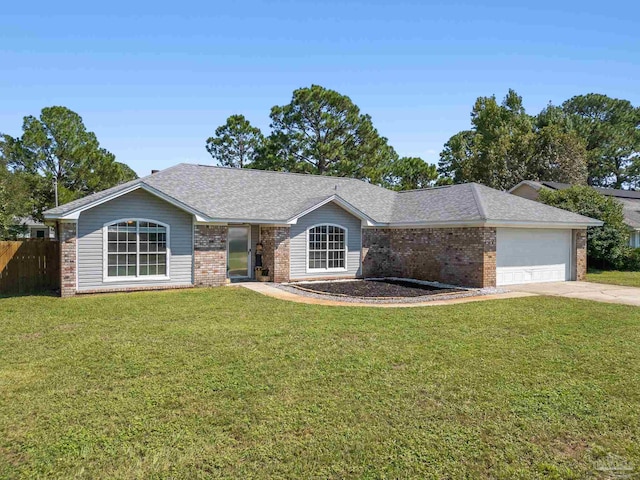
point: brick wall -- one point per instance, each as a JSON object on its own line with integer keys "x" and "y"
{"x": 458, "y": 256}
{"x": 580, "y": 237}
{"x": 68, "y": 258}
{"x": 209, "y": 255}
{"x": 276, "y": 251}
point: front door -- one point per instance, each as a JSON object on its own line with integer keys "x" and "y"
{"x": 239, "y": 252}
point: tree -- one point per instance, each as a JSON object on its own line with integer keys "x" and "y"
{"x": 606, "y": 245}
{"x": 323, "y": 132}
{"x": 236, "y": 143}
{"x": 18, "y": 198}
{"x": 497, "y": 149}
{"x": 58, "y": 147}
{"x": 409, "y": 173}
{"x": 506, "y": 145}
{"x": 611, "y": 129}
{"x": 457, "y": 162}
{"x": 558, "y": 156}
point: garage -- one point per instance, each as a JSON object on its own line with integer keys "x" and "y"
{"x": 533, "y": 255}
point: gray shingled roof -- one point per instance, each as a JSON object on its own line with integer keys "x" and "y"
{"x": 255, "y": 195}
{"x": 631, "y": 211}
{"x": 609, "y": 192}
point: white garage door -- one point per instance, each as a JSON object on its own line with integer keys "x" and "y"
{"x": 531, "y": 255}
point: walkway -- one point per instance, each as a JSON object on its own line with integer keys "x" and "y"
{"x": 271, "y": 291}
{"x": 598, "y": 292}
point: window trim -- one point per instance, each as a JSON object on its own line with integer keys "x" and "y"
{"x": 346, "y": 249}
{"x": 137, "y": 278}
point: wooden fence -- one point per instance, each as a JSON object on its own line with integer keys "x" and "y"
{"x": 29, "y": 266}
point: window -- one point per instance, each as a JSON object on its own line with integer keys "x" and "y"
{"x": 136, "y": 249}
{"x": 326, "y": 247}
{"x": 39, "y": 233}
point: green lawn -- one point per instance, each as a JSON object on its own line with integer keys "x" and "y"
{"x": 631, "y": 279}
{"x": 227, "y": 383}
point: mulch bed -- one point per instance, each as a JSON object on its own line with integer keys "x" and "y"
{"x": 374, "y": 288}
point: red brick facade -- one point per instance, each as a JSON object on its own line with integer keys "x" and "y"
{"x": 580, "y": 237}
{"x": 458, "y": 256}
{"x": 68, "y": 258}
{"x": 209, "y": 255}
{"x": 275, "y": 242}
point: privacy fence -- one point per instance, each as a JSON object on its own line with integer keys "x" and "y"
{"x": 29, "y": 266}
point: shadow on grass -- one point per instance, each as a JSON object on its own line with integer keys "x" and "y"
{"x": 35, "y": 293}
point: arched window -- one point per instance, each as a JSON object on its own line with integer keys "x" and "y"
{"x": 136, "y": 249}
{"x": 326, "y": 248}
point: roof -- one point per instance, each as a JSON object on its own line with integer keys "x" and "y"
{"x": 28, "y": 221}
{"x": 631, "y": 212}
{"x": 231, "y": 194}
{"x": 609, "y": 192}
{"x": 630, "y": 199}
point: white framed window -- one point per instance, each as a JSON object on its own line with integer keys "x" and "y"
{"x": 136, "y": 249}
{"x": 326, "y": 248}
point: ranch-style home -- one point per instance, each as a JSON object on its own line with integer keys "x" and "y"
{"x": 194, "y": 225}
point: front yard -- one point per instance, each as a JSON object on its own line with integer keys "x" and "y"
{"x": 228, "y": 383}
{"x": 630, "y": 279}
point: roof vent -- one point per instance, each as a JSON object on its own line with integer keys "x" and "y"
{"x": 154, "y": 171}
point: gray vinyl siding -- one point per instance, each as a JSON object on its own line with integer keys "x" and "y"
{"x": 329, "y": 213}
{"x": 137, "y": 204}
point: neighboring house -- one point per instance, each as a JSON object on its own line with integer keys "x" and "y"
{"x": 629, "y": 199}
{"x": 31, "y": 228}
{"x": 192, "y": 225}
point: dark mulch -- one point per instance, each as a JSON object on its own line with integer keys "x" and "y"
{"x": 375, "y": 288}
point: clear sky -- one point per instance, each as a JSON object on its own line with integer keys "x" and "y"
{"x": 154, "y": 79}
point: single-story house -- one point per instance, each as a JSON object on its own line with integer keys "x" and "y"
{"x": 28, "y": 227}
{"x": 194, "y": 225}
{"x": 629, "y": 199}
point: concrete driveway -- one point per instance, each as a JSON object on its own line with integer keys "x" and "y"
{"x": 599, "y": 292}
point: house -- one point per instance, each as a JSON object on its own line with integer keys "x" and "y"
{"x": 629, "y": 199}
{"x": 28, "y": 227}
{"x": 193, "y": 225}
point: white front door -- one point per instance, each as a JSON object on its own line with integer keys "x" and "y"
{"x": 533, "y": 255}
{"x": 238, "y": 252}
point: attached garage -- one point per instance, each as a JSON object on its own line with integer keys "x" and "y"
{"x": 533, "y": 255}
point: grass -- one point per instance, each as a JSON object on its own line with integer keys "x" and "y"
{"x": 630, "y": 279}
{"x": 224, "y": 383}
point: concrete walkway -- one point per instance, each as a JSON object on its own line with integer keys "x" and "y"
{"x": 598, "y": 292}
{"x": 271, "y": 291}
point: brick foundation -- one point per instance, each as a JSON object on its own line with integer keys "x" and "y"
{"x": 209, "y": 255}
{"x": 68, "y": 258}
{"x": 580, "y": 237}
{"x": 458, "y": 256}
{"x": 275, "y": 257}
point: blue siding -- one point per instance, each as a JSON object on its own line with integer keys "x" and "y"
{"x": 329, "y": 213}
{"x": 137, "y": 204}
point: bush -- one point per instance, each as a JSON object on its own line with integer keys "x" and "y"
{"x": 632, "y": 260}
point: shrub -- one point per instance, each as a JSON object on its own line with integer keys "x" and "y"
{"x": 632, "y": 260}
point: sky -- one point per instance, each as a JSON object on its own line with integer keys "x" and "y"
{"x": 153, "y": 80}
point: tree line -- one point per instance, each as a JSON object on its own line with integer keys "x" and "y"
{"x": 589, "y": 139}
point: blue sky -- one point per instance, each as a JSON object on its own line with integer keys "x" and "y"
{"x": 154, "y": 79}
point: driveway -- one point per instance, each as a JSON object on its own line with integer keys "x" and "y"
{"x": 599, "y": 292}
